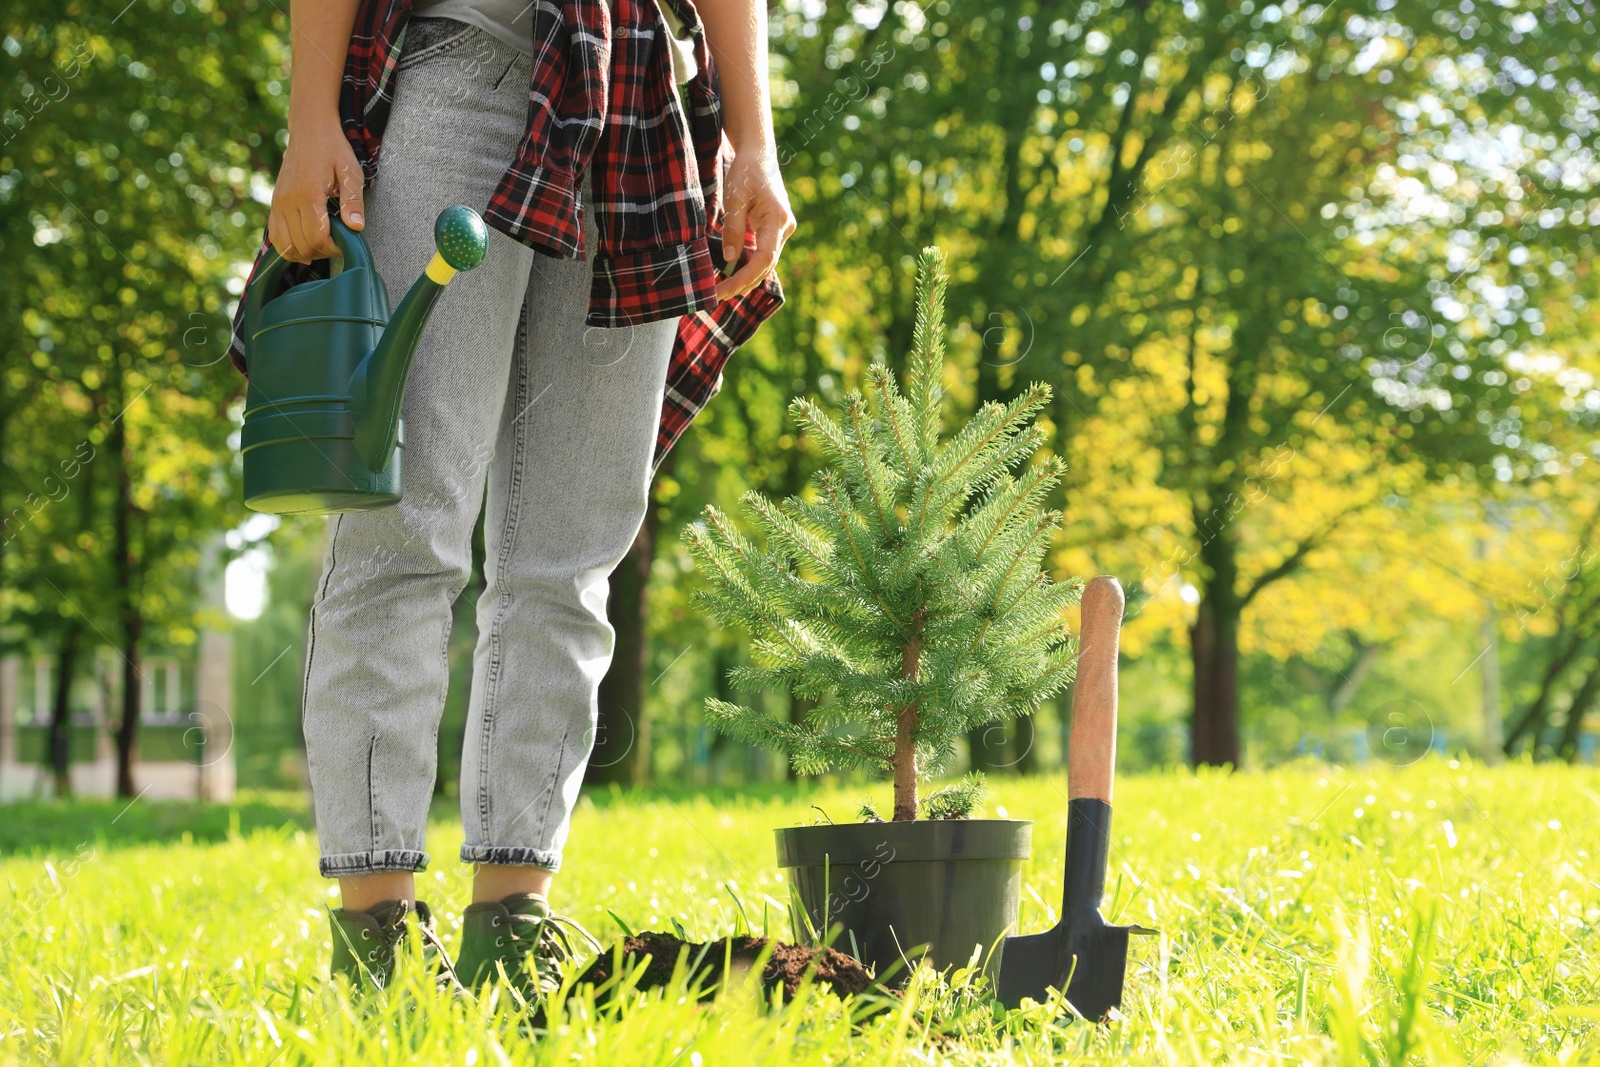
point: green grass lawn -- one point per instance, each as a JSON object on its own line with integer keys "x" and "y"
{"x": 1433, "y": 914}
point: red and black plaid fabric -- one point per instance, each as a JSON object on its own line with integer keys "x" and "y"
{"x": 603, "y": 100}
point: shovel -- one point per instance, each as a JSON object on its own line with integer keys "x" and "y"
{"x": 1082, "y": 954}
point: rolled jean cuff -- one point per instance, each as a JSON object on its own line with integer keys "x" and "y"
{"x": 346, "y": 864}
{"x": 498, "y": 856}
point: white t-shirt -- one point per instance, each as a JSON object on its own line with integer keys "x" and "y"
{"x": 509, "y": 20}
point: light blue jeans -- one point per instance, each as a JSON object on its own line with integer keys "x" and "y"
{"x": 513, "y": 395}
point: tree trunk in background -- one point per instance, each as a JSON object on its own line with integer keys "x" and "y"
{"x": 1345, "y": 689}
{"x": 1534, "y": 716}
{"x": 60, "y": 736}
{"x": 987, "y": 749}
{"x": 1024, "y": 744}
{"x": 722, "y": 661}
{"x": 131, "y": 617}
{"x": 1214, "y": 648}
{"x": 1493, "y": 728}
{"x": 6, "y": 533}
{"x": 799, "y": 708}
{"x": 622, "y": 734}
{"x": 1582, "y": 700}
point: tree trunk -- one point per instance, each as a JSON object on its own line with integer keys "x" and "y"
{"x": 1538, "y": 710}
{"x": 905, "y": 765}
{"x": 60, "y": 735}
{"x": 1567, "y": 748}
{"x": 1492, "y": 726}
{"x": 717, "y": 749}
{"x": 622, "y": 733}
{"x": 1214, "y": 648}
{"x": 1345, "y": 688}
{"x": 131, "y": 617}
{"x": 905, "y": 732}
{"x": 799, "y": 708}
{"x": 986, "y": 748}
{"x": 1024, "y": 741}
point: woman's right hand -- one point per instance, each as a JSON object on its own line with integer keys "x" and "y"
{"x": 318, "y": 164}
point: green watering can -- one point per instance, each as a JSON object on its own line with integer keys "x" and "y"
{"x": 328, "y": 367}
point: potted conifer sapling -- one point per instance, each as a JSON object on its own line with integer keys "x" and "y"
{"x": 905, "y": 594}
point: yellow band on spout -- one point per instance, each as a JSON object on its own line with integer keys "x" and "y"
{"x": 440, "y": 271}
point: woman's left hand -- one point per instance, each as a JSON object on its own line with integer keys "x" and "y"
{"x": 755, "y": 201}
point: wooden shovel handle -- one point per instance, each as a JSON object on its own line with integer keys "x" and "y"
{"x": 1092, "y": 757}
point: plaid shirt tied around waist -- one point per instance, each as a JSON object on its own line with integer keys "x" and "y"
{"x": 602, "y": 99}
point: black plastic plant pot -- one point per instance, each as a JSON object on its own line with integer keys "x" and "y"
{"x": 892, "y": 891}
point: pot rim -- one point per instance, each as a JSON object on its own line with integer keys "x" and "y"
{"x": 922, "y": 840}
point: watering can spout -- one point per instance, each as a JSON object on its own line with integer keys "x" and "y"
{"x": 378, "y": 386}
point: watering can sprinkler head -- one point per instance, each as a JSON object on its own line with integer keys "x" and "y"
{"x": 461, "y": 241}
{"x": 328, "y": 366}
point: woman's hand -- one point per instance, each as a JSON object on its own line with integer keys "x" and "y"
{"x": 754, "y": 201}
{"x": 319, "y": 164}
{"x": 753, "y": 196}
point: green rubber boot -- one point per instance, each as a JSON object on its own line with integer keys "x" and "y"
{"x": 365, "y": 943}
{"x": 523, "y": 937}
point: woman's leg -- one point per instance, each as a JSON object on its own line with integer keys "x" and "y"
{"x": 568, "y": 490}
{"x": 376, "y": 669}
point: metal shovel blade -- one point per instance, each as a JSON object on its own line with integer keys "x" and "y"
{"x": 1082, "y": 954}
{"x": 1088, "y": 958}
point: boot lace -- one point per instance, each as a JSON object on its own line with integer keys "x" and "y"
{"x": 542, "y": 945}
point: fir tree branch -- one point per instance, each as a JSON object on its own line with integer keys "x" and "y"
{"x": 865, "y": 571}
{"x": 796, "y": 536}
{"x": 853, "y": 411}
{"x": 993, "y": 437}
{"x": 754, "y": 728}
{"x": 927, "y": 347}
{"x": 892, "y": 404}
{"x": 810, "y": 415}
{"x": 1045, "y": 526}
{"x": 731, "y": 579}
{"x": 1040, "y": 478}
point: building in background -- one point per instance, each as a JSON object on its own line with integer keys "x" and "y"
{"x": 185, "y": 737}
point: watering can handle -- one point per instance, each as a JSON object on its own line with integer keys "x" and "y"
{"x": 1092, "y": 755}
{"x": 263, "y": 284}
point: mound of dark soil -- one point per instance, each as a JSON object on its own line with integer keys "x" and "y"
{"x": 784, "y": 970}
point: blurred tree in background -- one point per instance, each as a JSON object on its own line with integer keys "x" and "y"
{"x": 1270, "y": 252}
{"x": 131, "y": 139}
